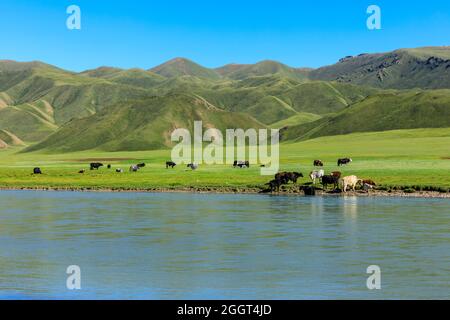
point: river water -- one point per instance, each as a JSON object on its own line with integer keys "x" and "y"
{"x": 220, "y": 246}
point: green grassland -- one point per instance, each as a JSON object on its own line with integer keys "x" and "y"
{"x": 403, "y": 157}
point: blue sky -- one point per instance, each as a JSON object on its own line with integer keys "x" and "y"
{"x": 213, "y": 33}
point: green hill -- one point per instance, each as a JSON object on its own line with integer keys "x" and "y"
{"x": 35, "y": 99}
{"x": 270, "y": 99}
{"x": 426, "y": 68}
{"x": 184, "y": 67}
{"x": 381, "y": 112}
{"x": 370, "y": 92}
{"x": 141, "y": 125}
{"x": 263, "y": 68}
{"x": 133, "y": 77}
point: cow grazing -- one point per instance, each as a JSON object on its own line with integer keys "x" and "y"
{"x": 241, "y": 164}
{"x": 170, "y": 164}
{"x": 350, "y": 181}
{"x": 316, "y": 175}
{"x": 193, "y": 166}
{"x": 119, "y": 170}
{"x": 344, "y": 161}
{"x": 37, "y": 171}
{"x": 82, "y": 171}
{"x": 141, "y": 165}
{"x": 285, "y": 177}
{"x": 318, "y": 163}
{"x": 134, "y": 168}
{"x": 330, "y": 179}
{"x": 96, "y": 165}
{"x": 109, "y": 166}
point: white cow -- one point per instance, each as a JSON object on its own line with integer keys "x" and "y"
{"x": 350, "y": 181}
{"x": 316, "y": 174}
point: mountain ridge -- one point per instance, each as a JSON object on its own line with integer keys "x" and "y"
{"x": 38, "y": 101}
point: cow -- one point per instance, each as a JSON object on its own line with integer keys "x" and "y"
{"x": 316, "y": 175}
{"x": 119, "y": 170}
{"x": 337, "y": 174}
{"x": 37, "y": 171}
{"x": 344, "y": 161}
{"x": 140, "y": 165}
{"x": 318, "y": 163}
{"x": 350, "y": 181}
{"x": 82, "y": 171}
{"x": 96, "y": 165}
{"x": 330, "y": 179}
{"x": 241, "y": 164}
{"x": 193, "y": 166}
{"x": 274, "y": 185}
{"x": 285, "y": 177}
{"x": 109, "y": 166}
{"x": 170, "y": 164}
{"x": 134, "y": 168}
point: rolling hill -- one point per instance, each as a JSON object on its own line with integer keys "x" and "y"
{"x": 184, "y": 67}
{"x": 142, "y": 125}
{"x": 381, "y": 112}
{"x": 263, "y": 68}
{"x": 132, "y": 109}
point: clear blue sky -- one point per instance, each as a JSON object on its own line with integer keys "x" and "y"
{"x": 146, "y": 33}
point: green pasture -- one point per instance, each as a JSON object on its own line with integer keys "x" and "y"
{"x": 404, "y": 157}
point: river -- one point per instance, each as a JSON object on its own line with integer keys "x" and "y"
{"x": 220, "y": 246}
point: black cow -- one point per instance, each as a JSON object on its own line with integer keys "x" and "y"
{"x": 241, "y": 164}
{"x": 96, "y": 165}
{"x": 330, "y": 179}
{"x": 285, "y": 177}
{"x": 170, "y": 164}
{"x": 318, "y": 163}
{"x": 37, "y": 171}
{"x": 344, "y": 161}
{"x": 275, "y": 185}
{"x": 109, "y": 166}
{"x": 141, "y": 165}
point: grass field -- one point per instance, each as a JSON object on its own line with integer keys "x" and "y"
{"x": 406, "y": 157}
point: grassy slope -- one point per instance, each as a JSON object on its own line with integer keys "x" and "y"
{"x": 181, "y": 67}
{"x": 263, "y": 68}
{"x": 299, "y": 118}
{"x": 384, "y": 111}
{"x": 142, "y": 125}
{"x": 405, "y": 157}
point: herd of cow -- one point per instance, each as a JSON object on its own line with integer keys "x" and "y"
{"x": 334, "y": 178}
{"x": 282, "y": 178}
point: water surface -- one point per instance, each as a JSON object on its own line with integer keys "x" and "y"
{"x": 208, "y": 246}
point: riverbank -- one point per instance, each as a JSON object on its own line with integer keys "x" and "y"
{"x": 292, "y": 190}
